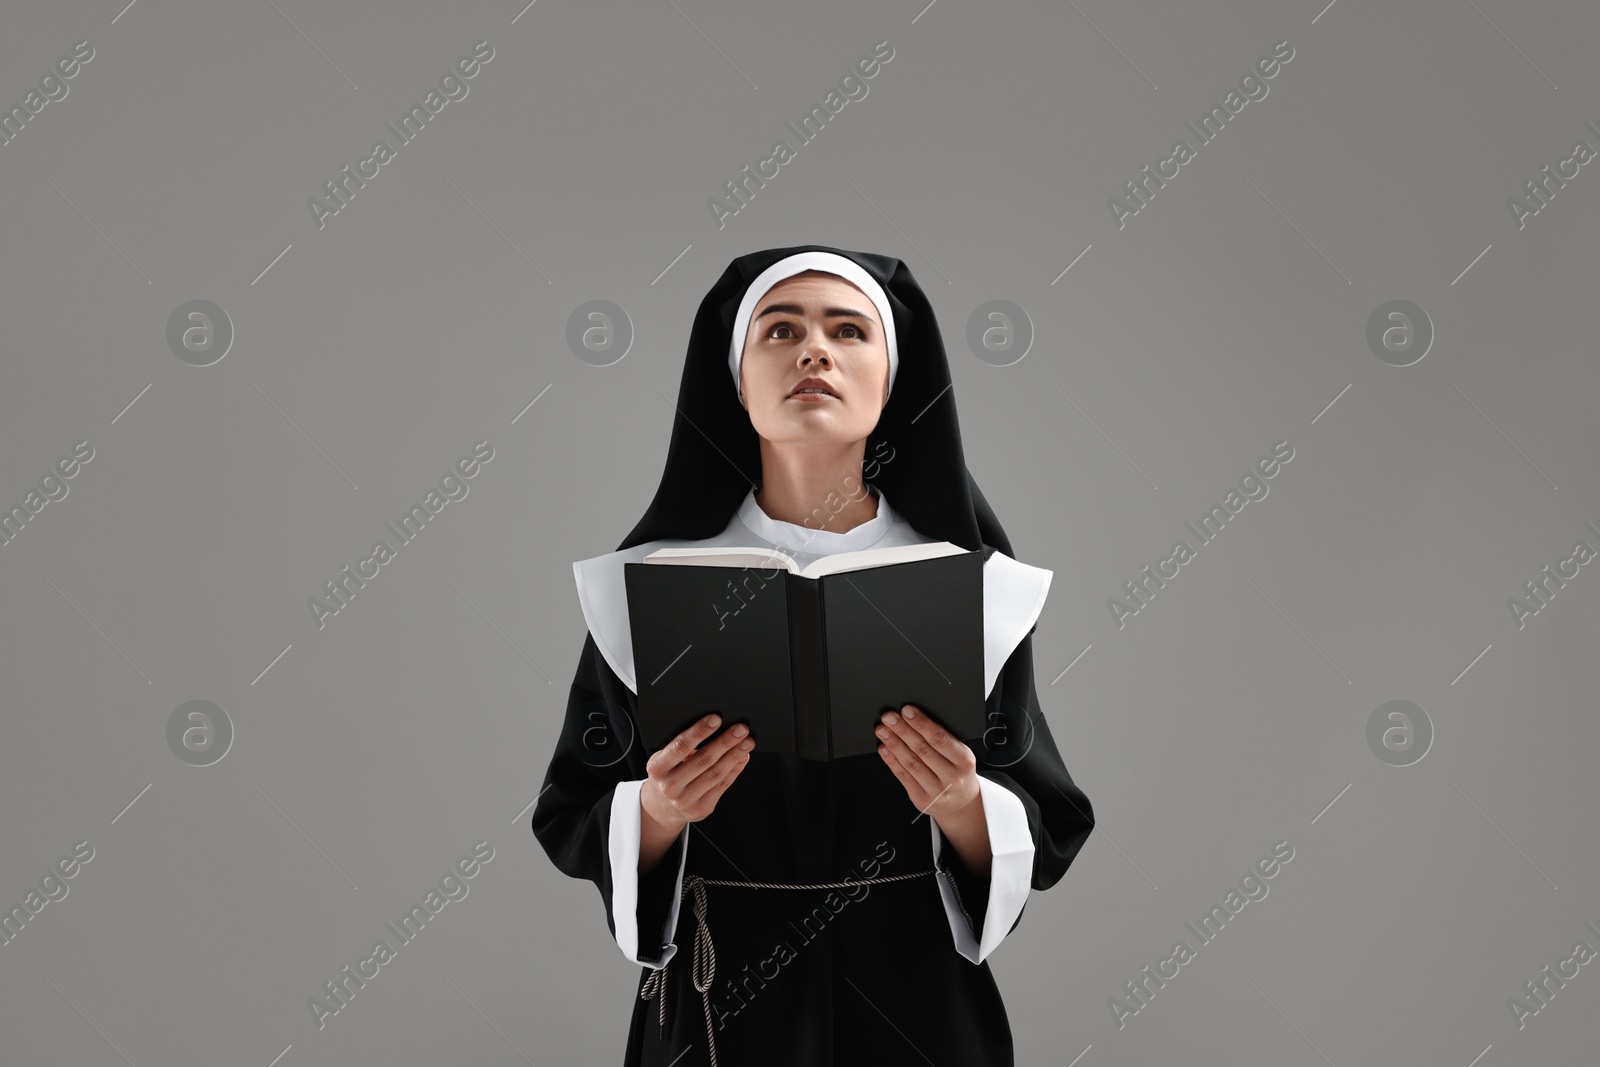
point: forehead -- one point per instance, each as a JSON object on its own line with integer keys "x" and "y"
{"x": 817, "y": 287}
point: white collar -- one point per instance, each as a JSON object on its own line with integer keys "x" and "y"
{"x": 802, "y": 538}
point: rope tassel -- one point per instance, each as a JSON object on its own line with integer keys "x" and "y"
{"x": 704, "y": 966}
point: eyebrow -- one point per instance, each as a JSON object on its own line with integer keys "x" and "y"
{"x": 831, "y": 313}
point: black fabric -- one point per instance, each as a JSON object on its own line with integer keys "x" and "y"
{"x": 714, "y": 457}
{"x": 868, "y": 975}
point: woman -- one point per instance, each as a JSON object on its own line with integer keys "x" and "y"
{"x": 842, "y": 911}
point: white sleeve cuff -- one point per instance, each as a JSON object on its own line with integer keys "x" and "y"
{"x": 624, "y": 851}
{"x": 1010, "y": 871}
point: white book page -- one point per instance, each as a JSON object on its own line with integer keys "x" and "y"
{"x": 840, "y": 562}
{"x": 763, "y": 558}
{"x": 837, "y": 563}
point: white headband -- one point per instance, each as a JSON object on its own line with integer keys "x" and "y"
{"x": 830, "y": 262}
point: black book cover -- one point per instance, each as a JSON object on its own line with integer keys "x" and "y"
{"x": 809, "y": 664}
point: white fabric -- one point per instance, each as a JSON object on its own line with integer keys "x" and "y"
{"x": 1013, "y": 592}
{"x": 624, "y": 849}
{"x": 848, "y": 269}
{"x": 1013, "y": 597}
{"x": 1010, "y": 871}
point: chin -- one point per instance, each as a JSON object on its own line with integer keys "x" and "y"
{"x": 809, "y": 431}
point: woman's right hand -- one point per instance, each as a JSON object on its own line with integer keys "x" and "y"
{"x": 687, "y": 778}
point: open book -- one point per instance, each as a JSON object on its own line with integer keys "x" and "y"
{"x": 807, "y": 657}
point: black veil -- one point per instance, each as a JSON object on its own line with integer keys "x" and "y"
{"x": 714, "y": 456}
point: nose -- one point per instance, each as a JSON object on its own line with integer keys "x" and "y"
{"x": 816, "y": 350}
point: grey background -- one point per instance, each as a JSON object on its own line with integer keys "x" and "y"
{"x": 1227, "y": 316}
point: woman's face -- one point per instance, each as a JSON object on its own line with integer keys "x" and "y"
{"x": 815, "y": 325}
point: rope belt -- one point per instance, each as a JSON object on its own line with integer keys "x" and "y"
{"x": 705, "y": 957}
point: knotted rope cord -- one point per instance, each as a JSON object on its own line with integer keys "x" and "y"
{"x": 705, "y": 965}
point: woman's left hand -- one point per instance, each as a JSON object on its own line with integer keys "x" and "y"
{"x": 938, "y": 771}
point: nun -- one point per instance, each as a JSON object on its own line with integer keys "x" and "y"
{"x": 839, "y": 912}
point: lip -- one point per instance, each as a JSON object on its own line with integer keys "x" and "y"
{"x": 812, "y": 383}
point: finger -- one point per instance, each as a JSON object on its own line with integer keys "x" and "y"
{"x": 901, "y": 753}
{"x": 683, "y": 746}
{"x": 914, "y": 740}
{"x": 684, "y": 774}
{"x": 715, "y": 779}
{"x": 913, "y": 790}
{"x": 952, "y": 748}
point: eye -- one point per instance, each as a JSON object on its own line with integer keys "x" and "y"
{"x": 856, "y": 333}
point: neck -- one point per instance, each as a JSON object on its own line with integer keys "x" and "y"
{"x": 816, "y": 485}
